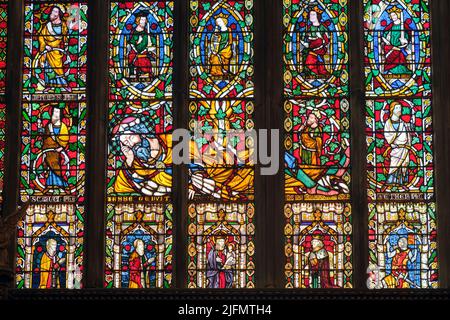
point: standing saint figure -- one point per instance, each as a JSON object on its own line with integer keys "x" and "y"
{"x": 319, "y": 264}
{"x": 311, "y": 140}
{"x": 221, "y": 47}
{"x": 141, "y": 48}
{"x": 315, "y": 42}
{"x": 397, "y": 135}
{"x": 52, "y": 44}
{"x": 50, "y": 266}
{"x": 395, "y": 44}
{"x": 56, "y": 139}
{"x": 219, "y": 264}
{"x": 401, "y": 255}
{"x": 139, "y": 265}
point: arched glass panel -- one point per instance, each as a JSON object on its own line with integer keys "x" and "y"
{"x": 53, "y": 136}
{"x": 139, "y": 170}
{"x": 318, "y": 228}
{"x": 399, "y": 134}
{"x": 221, "y": 213}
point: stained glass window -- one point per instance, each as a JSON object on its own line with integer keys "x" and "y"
{"x": 318, "y": 225}
{"x": 139, "y": 170}
{"x": 219, "y": 110}
{"x": 399, "y": 134}
{"x": 221, "y": 213}
{"x": 53, "y": 135}
{"x": 3, "y": 35}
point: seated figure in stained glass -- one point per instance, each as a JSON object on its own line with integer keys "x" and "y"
{"x": 396, "y": 41}
{"x": 315, "y": 42}
{"x": 141, "y": 48}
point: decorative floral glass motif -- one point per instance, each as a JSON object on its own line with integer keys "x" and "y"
{"x": 221, "y": 173}
{"x": 52, "y": 172}
{"x": 139, "y": 169}
{"x": 399, "y": 135}
{"x": 3, "y": 36}
{"x": 318, "y": 233}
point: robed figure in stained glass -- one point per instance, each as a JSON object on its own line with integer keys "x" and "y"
{"x": 141, "y": 48}
{"x": 49, "y": 265}
{"x": 139, "y": 266}
{"x": 56, "y": 139}
{"x": 147, "y": 158}
{"x": 221, "y": 47}
{"x": 395, "y": 44}
{"x": 397, "y": 135}
{"x": 52, "y": 44}
{"x": 315, "y": 42}
{"x": 311, "y": 140}
{"x": 401, "y": 256}
{"x": 319, "y": 264}
{"x": 401, "y": 249}
{"x": 306, "y": 172}
{"x": 219, "y": 263}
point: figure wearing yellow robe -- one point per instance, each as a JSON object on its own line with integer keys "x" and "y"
{"x": 304, "y": 178}
{"x": 221, "y": 52}
{"x": 228, "y": 182}
{"x": 46, "y": 269}
{"x": 49, "y": 266}
{"x": 53, "y": 36}
{"x": 135, "y": 177}
{"x": 147, "y": 176}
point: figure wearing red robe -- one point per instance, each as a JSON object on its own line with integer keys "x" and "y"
{"x": 316, "y": 44}
{"x": 395, "y": 42}
{"x": 319, "y": 265}
{"x": 401, "y": 255}
{"x": 142, "y": 49}
{"x": 399, "y": 268}
{"x": 218, "y": 270}
{"x": 138, "y": 265}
